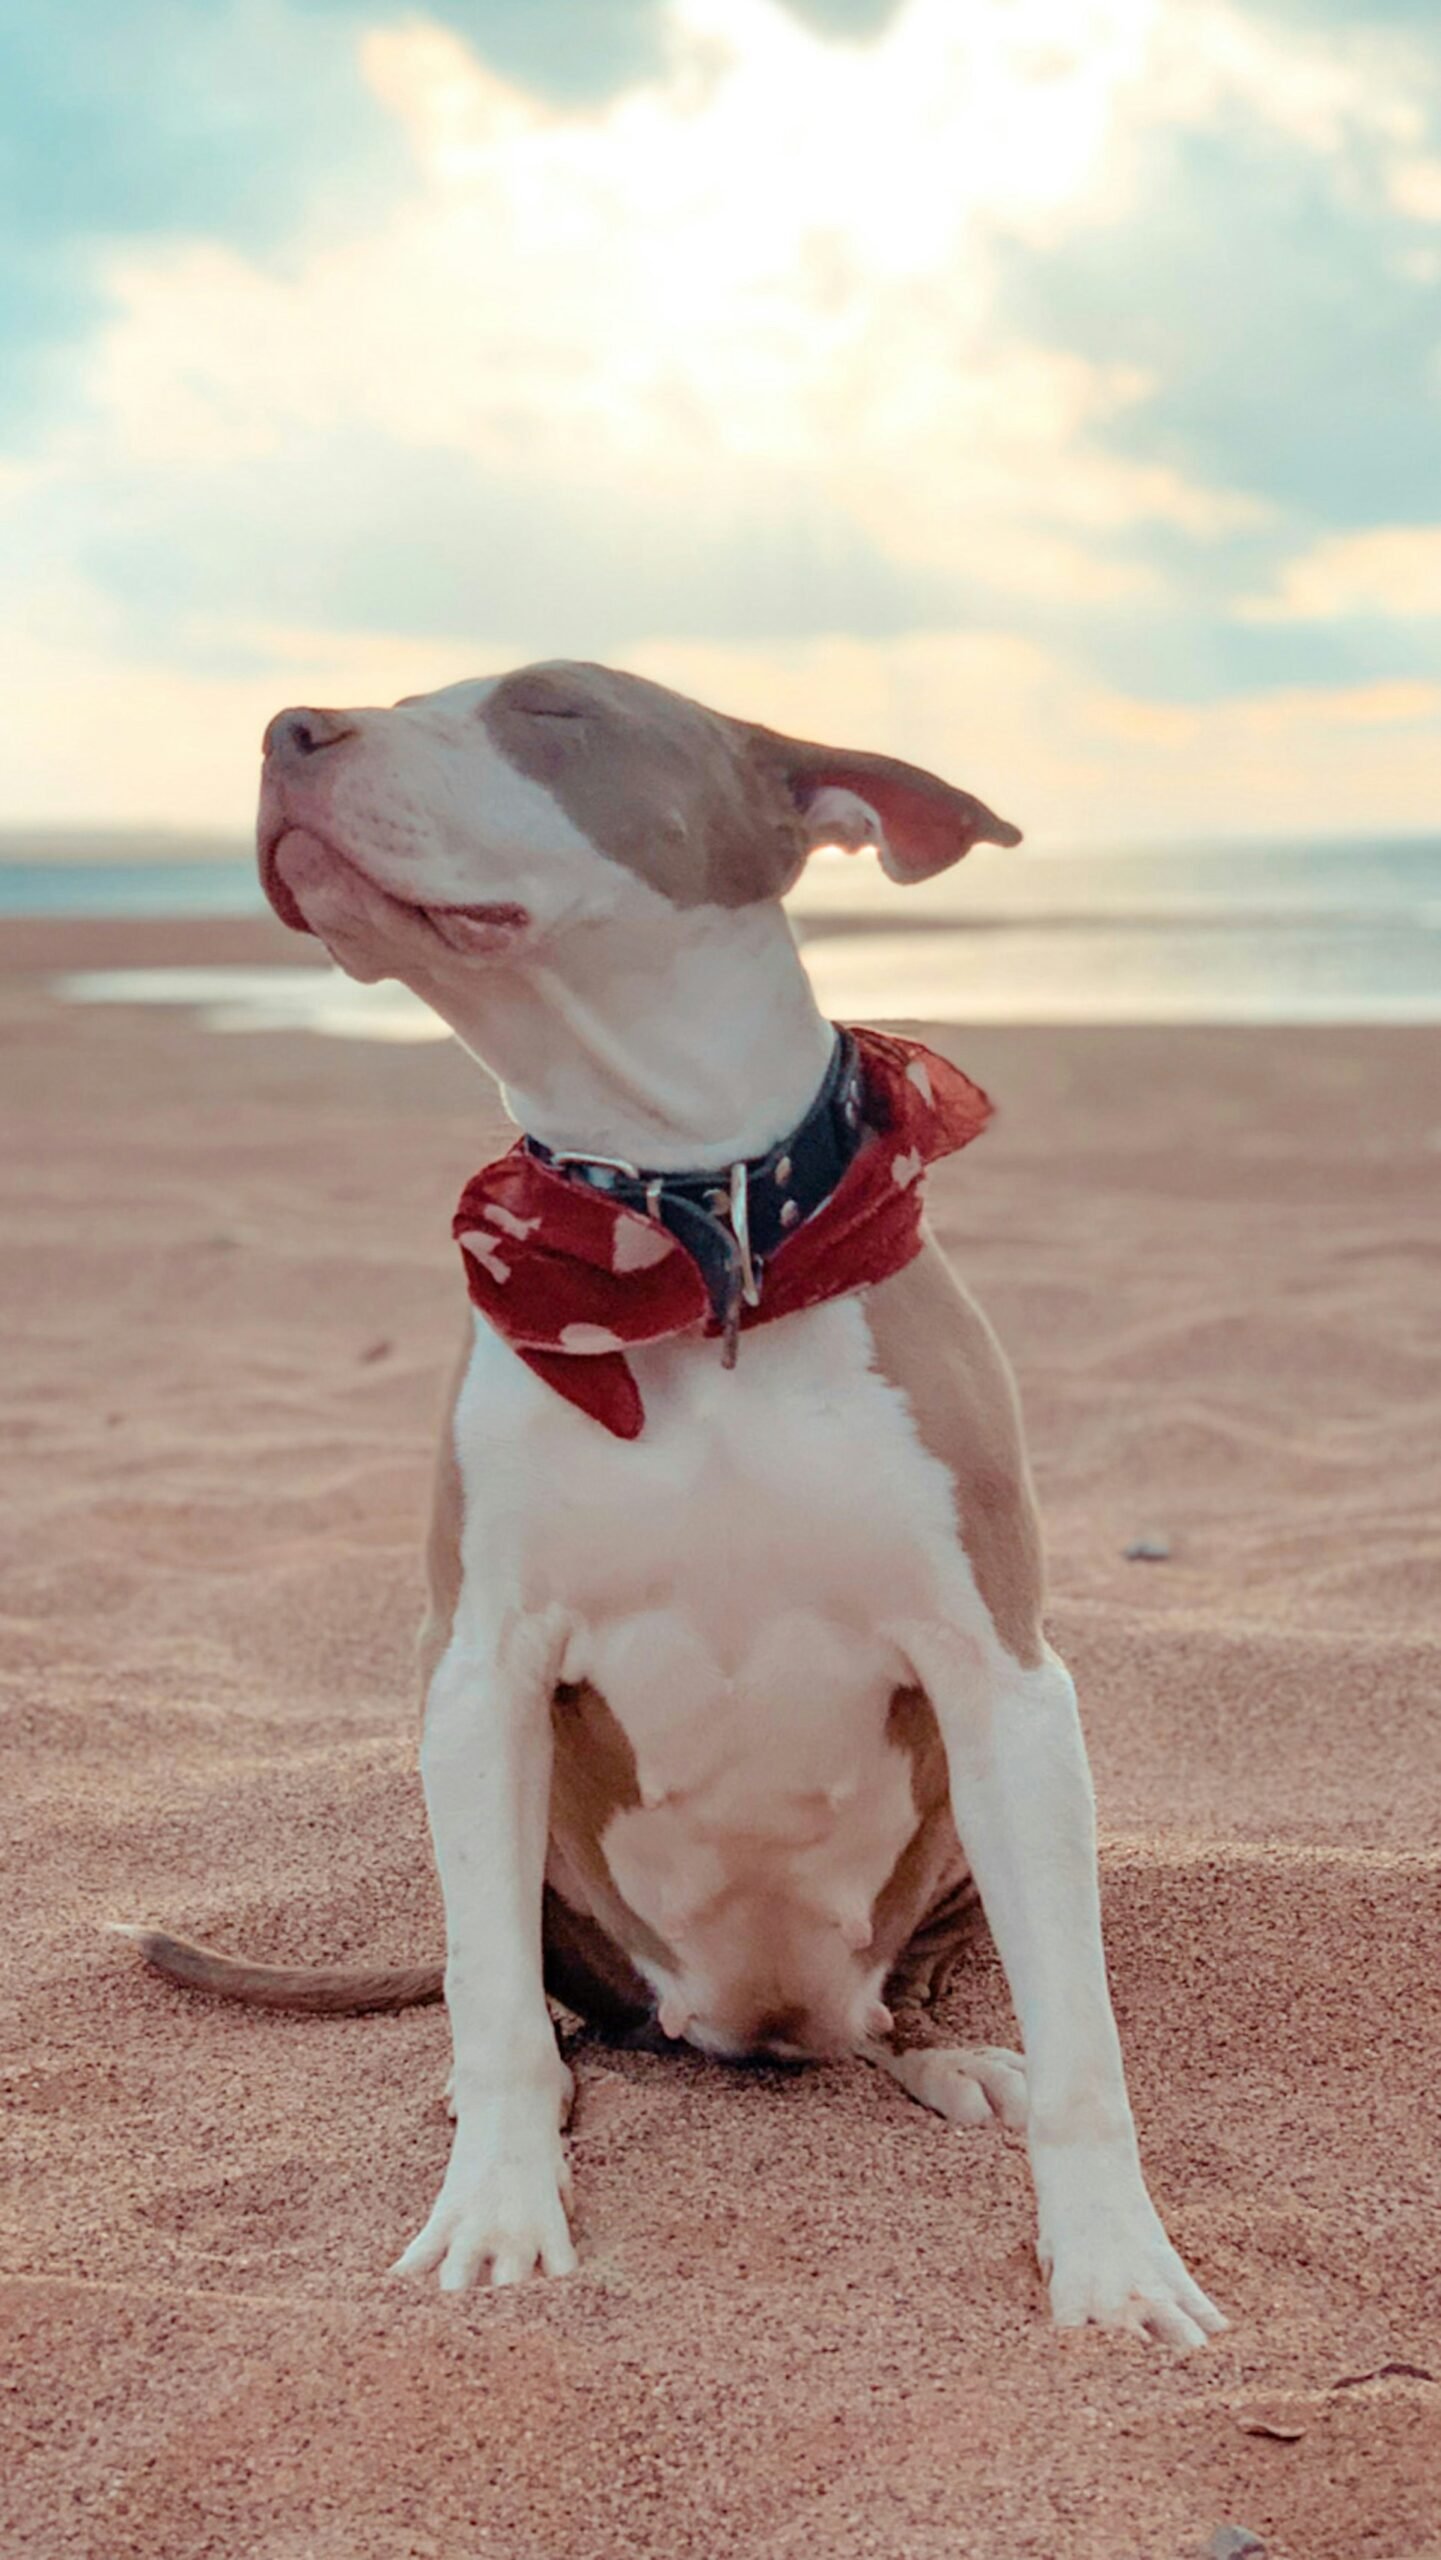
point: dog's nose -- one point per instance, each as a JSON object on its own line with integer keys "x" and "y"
{"x": 294, "y": 734}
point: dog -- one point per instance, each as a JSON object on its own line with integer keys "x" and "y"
{"x": 736, "y": 1690}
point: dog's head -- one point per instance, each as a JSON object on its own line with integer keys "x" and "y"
{"x": 477, "y": 822}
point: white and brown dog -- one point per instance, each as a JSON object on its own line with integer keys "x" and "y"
{"x": 726, "y": 1712}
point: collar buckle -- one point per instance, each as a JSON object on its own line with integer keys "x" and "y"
{"x": 603, "y": 1164}
{"x": 740, "y": 1229}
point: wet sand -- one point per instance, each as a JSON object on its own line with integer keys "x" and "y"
{"x": 808, "y": 2321}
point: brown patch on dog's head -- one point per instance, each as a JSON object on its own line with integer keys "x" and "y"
{"x": 710, "y": 810}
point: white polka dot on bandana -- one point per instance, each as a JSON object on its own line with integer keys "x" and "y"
{"x": 487, "y": 1253}
{"x": 588, "y": 1337}
{"x": 916, "y": 1075}
{"x": 638, "y": 1245}
{"x": 507, "y": 1221}
{"x": 906, "y": 1169}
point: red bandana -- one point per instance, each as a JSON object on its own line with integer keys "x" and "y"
{"x": 569, "y": 1277}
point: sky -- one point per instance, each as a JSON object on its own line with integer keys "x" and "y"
{"x": 1047, "y": 390}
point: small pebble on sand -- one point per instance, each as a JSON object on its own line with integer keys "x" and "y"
{"x": 1150, "y": 1548}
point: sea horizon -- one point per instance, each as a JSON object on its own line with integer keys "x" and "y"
{"x": 1295, "y": 929}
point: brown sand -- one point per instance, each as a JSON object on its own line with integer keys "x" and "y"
{"x": 808, "y": 2325}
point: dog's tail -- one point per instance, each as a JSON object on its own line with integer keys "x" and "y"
{"x": 316, "y": 1990}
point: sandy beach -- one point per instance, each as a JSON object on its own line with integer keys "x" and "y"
{"x": 808, "y": 2320}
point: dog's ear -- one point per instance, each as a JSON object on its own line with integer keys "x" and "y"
{"x": 918, "y": 824}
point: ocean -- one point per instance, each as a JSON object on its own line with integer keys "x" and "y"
{"x": 1343, "y": 932}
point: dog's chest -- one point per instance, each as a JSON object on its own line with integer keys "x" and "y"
{"x": 727, "y": 1583}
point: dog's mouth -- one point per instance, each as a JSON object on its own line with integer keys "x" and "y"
{"x": 482, "y": 928}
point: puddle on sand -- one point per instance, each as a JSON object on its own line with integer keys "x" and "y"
{"x": 1149, "y": 969}
{"x": 267, "y": 1000}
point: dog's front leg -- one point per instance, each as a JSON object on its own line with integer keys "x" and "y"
{"x": 1021, "y": 1793}
{"x": 486, "y": 1761}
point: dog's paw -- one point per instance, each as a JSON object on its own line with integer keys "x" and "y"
{"x": 1144, "y": 2291}
{"x": 1114, "y": 2268}
{"x": 967, "y": 2084}
{"x": 1103, "y": 2247}
{"x": 504, "y": 2215}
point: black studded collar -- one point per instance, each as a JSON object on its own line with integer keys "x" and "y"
{"x": 733, "y": 1222}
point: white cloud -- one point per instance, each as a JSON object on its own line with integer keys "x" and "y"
{"x": 1025, "y": 726}
{"x": 1415, "y": 189}
{"x": 770, "y": 270}
{"x": 1348, "y": 94}
{"x": 95, "y": 738}
{"x": 1392, "y": 569}
{"x": 764, "y": 290}
{"x": 1066, "y": 757}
